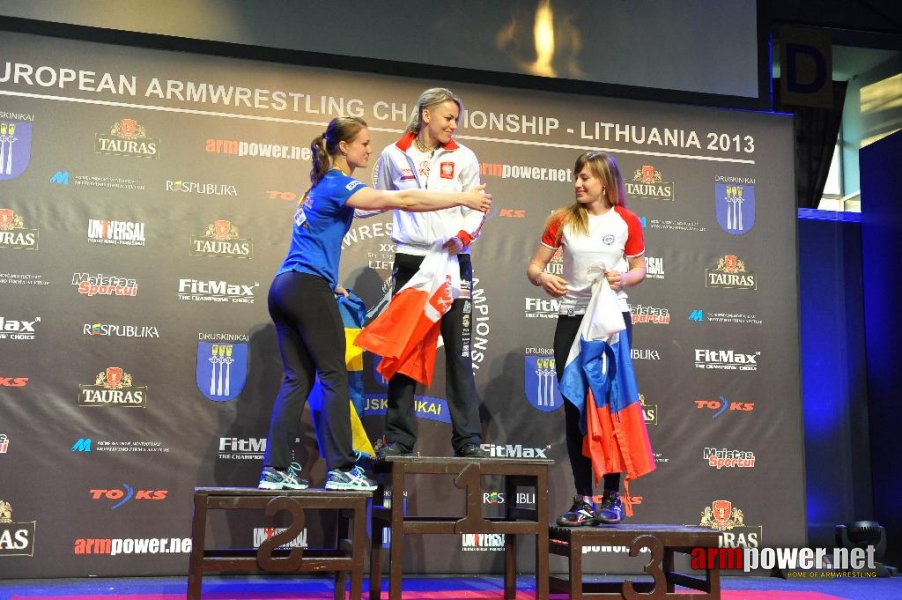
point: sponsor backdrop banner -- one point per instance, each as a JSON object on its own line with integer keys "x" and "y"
{"x": 146, "y": 200}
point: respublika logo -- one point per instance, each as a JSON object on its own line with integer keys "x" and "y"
{"x": 15, "y": 144}
{"x": 196, "y": 290}
{"x": 734, "y": 201}
{"x": 648, "y": 183}
{"x": 644, "y": 354}
{"x": 16, "y": 537}
{"x": 200, "y": 187}
{"x": 221, "y": 369}
{"x": 104, "y": 285}
{"x": 731, "y": 274}
{"x": 125, "y": 494}
{"x": 127, "y": 138}
{"x": 122, "y": 233}
{"x": 726, "y": 360}
{"x": 729, "y": 520}
{"x": 654, "y": 315}
{"x": 13, "y": 234}
{"x": 722, "y": 405}
{"x": 124, "y": 330}
{"x": 14, "y": 329}
{"x": 540, "y": 383}
{"x": 221, "y": 238}
{"x": 113, "y": 387}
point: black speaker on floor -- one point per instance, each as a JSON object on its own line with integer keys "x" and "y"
{"x": 862, "y": 534}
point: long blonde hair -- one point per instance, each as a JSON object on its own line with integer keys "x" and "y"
{"x": 428, "y": 100}
{"x": 605, "y": 168}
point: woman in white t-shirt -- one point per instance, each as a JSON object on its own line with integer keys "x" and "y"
{"x": 597, "y": 230}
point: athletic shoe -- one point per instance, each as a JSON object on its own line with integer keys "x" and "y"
{"x": 611, "y": 510}
{"x": 580, "y": 514}
{"x": 276, "y": 479}
{"x": 392, "y": 449}
{"x": 352, "y": 479}
{"x": 472, "y": 451}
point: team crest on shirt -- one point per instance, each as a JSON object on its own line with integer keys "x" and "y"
{"x": 446, "y": 170}
{"x": 608, "y": 239}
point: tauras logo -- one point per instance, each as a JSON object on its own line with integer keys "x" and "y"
{"x": 515, "y": 451}
{"x": 113, "y": 387}
{"x": 731, "y": 273}
{"x": 16, "y": 538}
{"x": 127, "y": 138}
{"x": 221, "y": 238}
{"x": 13, "y": 233}
{"x": 729, "y": 360}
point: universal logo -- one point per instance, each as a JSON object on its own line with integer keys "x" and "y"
{"x": 123, "y": 233}
{"x": 654, "y": 267}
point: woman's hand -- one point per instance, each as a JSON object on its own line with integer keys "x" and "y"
{"x": 553, "y": 285}
{"x": 478, "y": 199}
{"x": 340, "y": 291}
{"x": 615, "y": 279}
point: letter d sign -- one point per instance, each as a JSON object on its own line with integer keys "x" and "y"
{"x": 806, "y": 70}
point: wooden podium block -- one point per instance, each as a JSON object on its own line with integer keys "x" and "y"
{"x": 466, "y": 474}
{"x": 664, "y": 541}
{"x": 347, "y": 555}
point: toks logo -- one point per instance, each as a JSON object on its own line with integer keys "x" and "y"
{"x": 16, "y": 537}
{"x": 721, "y": 405}
{"x": 13, "y": 234}
{"x": 13, "y": 381}
{"x": 221, "y": 238}
{"x": 113, "y": 387}
{"x": 127, "y": 138}
{"x": 127, "y": 493}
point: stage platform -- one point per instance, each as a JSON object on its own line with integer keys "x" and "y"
{"x": 447, "y": 587}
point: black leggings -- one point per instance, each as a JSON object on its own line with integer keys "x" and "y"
{"x": 564, "y": 334}
{"x": 311, "y": 342}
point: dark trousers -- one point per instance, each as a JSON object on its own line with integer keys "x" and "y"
{"x": 311, "y": 342}
{"x": 460, "y": 387}
{"x": 564, "y": 334}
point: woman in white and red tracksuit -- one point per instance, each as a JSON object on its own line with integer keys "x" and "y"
{"x": 595, "y": 230}
{"x": 428, "y": 157}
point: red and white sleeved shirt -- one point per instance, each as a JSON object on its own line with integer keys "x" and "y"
{"x": 614, "y": 237}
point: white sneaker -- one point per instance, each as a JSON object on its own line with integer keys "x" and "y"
{"x": 352, "y": 479}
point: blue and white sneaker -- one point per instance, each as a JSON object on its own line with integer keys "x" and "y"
{"x": 352, "y": 479}
{"x": 276, "y": 479}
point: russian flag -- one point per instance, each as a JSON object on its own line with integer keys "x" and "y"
{"x": 406, "y": 334}
{"x": 598, "y": 379}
